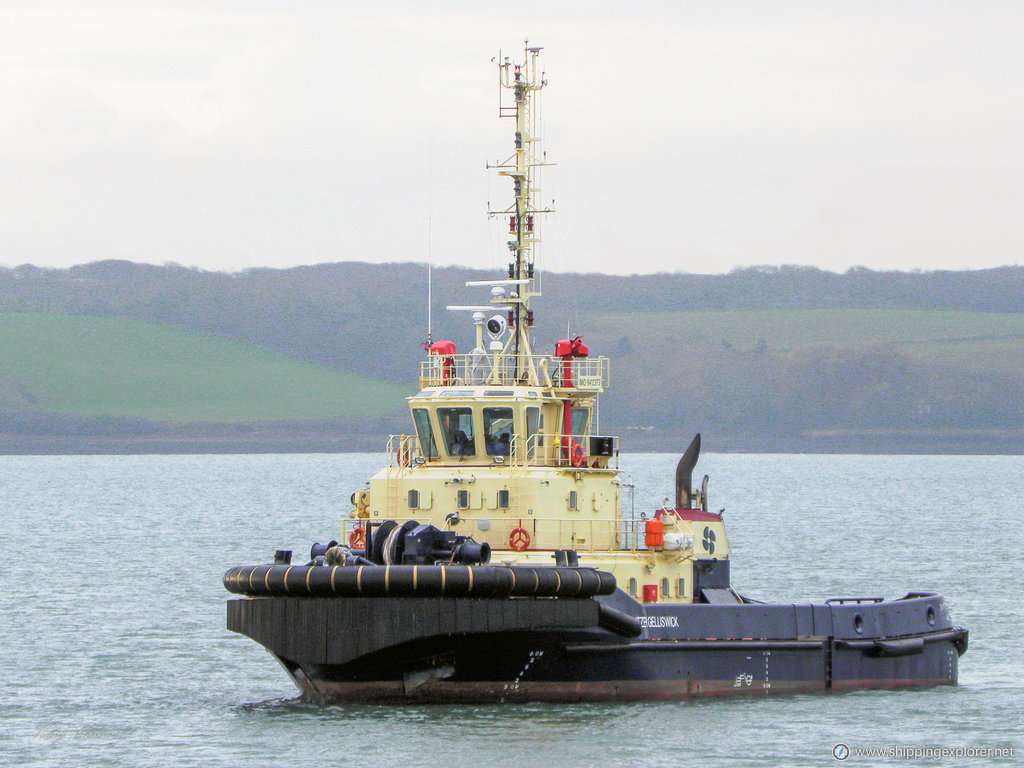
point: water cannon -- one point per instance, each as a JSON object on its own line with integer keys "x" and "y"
{"x": 568, "y": 349}
{"x": 571, "y": 348}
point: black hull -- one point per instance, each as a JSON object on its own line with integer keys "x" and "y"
{"x": 447, "y": 650}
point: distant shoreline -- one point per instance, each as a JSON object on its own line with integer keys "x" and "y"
{"x": 115, "y": 357}
{"x": 327, "y": 438}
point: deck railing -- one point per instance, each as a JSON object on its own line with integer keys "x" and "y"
{"x": 539, "y": 450}
{"x": 589, "y": 374}
{"x": 546, "y": 533}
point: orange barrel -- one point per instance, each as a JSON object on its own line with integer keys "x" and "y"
{"x": 650, "y": 593}
{"x": 654, "y": 534}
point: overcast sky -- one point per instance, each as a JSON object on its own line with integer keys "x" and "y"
{"x": 689, "y": 136}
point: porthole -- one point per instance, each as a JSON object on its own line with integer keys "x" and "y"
{"x": 682, "y": 588}
{"x": 632, "y": 587}
{"x": 664, "y": 587}
{"x": 573, "y": 500}
{"x": 414, "y": 498}
{"x": 931, "y": 616}
{"x": 503, "y": 499}
{"x": 858, "y": 624}
{"x": 462, "y": 499}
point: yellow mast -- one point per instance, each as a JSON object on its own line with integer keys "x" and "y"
{"x": 524, "y": 81}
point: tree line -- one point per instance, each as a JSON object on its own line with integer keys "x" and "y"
{"x": 371, "y": 318}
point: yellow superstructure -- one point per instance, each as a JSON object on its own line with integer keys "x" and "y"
{"x": 506, "y": 445}
{"x": 491, "y": 461}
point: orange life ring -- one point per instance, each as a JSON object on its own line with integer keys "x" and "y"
{"x": 519, "y": 539}
{"x": 403, "y": 455}
{"x": 578, "y": 457}
{"x": 357, "y": 538}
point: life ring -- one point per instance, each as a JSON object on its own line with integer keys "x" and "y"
{"x": 357, "y": 538}
{"x": 519, "y": 539}
{"x": 579, "y": 459}
{"x": 403, "y": 455}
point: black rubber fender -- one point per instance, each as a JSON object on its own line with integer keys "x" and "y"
{"x": 418, "y": 581}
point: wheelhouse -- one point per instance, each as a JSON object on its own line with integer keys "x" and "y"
{"x": 521, "y": 425}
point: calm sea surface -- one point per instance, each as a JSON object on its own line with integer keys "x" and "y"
{"x": 113, "y": 649}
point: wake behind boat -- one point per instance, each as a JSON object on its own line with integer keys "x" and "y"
{"x": 490, "y": 560}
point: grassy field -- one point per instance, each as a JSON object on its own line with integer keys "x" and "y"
{"x": 96, "y": 366}
{"x": 724, "y": 365}
{"x": 991, "y": 342}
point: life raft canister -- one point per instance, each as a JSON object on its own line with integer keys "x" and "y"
{"x": 654, "y": 534}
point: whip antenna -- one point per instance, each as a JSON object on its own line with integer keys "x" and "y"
{"x": 430, "y": 242}
{"x": 430, "y": 287}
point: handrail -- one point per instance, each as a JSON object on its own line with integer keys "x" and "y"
{"x": 541, "y": 449}
{"x": 403, "y": 451}
{"x": 549, "y": 533}
{"x": 855, "y": 600}
{"x": 588, "y": 374}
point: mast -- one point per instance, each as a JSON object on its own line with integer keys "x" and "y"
{"x": 525, "y": 82}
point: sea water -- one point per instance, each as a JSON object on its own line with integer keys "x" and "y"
{"x": 114, "y": 651}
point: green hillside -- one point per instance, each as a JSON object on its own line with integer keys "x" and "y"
{"x": 783, "y": 375}
{"x": 101, "y": 366}
{"x": 768, "y": 379}
{"x": 986, "y": 341}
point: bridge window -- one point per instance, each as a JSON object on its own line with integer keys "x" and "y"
{"x": 580, "y": 417}
{"x": 425, "y": 432}
{"x": 498, "y": 431}
{"x": 457, "y": 428}
{"x": 534, "y": 424}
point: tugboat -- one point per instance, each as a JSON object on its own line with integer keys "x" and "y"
{"x": 490, "y": 559}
